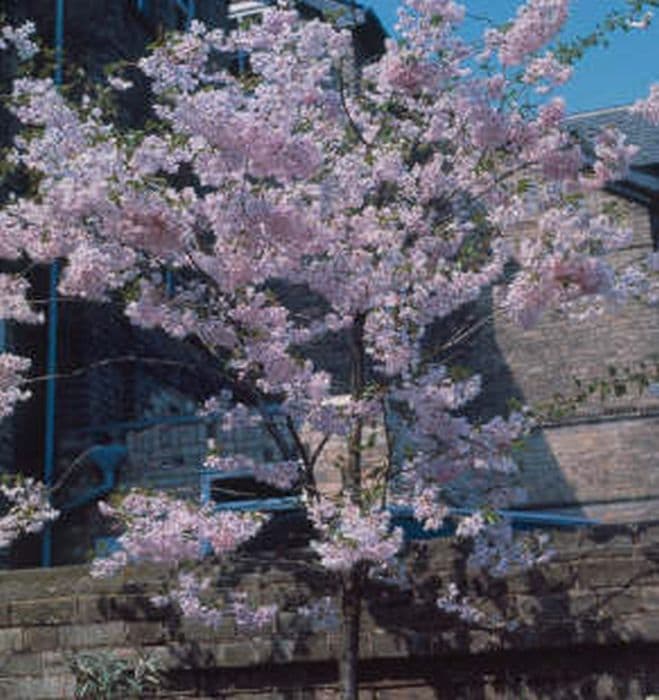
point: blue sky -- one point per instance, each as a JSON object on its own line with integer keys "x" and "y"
{"x": 607, "y": 77}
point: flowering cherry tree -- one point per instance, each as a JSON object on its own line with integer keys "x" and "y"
{"x": 389, "y": 199}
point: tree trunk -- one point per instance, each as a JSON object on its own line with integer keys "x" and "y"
{"x": 351, "y": 605}
{"x": 352, "y": 471}
{"x": 352, "y": 581}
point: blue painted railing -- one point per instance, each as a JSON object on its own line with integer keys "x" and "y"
{"x": 402, "y": 516}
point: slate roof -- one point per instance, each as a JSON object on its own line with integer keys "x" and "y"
{"x": 348, "y": 13}
{"x": 644, "y": 173}
{"x": 637, "y": 129}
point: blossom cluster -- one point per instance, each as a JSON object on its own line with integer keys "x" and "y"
{"x": 649, "y": 107}
{"x": 12, "y": 371}
{"x": 448, "y": 450}
{"x": 21, "y": 38}
{"x": 29, "y": 509}
{"x": 536, "y": 23}
{"x": 192, "y": 596}
{"x": 546, "y": 72}
{"x": 281, "y": 474}
{"x": 497, "y": 551}
{"x": 163, "y": 529}
{"x": 454, "y": 603}
{"x": 353, "y": 535}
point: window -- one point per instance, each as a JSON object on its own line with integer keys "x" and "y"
{"x": 239, "y": 490}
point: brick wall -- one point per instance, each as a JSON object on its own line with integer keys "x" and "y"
{"x": 588, "y": 627}
{"x": 600, "y": 463}
{"x": 604, "y": 452}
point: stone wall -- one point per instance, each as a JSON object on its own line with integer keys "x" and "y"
{"x": 588, "y": 627}
{"x": 606, "y": 466}
{"x": 602, "y": 455}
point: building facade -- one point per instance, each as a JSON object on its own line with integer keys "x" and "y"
{"x": 113, "y": 380}
{"x": 592, "y": 456}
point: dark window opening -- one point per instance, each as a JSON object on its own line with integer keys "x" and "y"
{"x": 244, "y": 488}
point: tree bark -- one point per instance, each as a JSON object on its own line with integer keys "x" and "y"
{"x": 351, "y": 605}
{"x": 352, "y": 581}
{"x": 352, "y": 472}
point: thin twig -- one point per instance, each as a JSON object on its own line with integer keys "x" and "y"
{"x": 106, "y": 362}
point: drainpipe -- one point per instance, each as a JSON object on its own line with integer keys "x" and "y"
{"x": 51, "y": 357}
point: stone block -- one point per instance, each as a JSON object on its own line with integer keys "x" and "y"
{"x": 44, "y": 638}
{"x": 187, "y": 630}
{"x": 38, "y": 687}
{"x": 91, "y": 608}
{"x": 403, "y": 693}
{"x": 21, "y": 664}
{"x": 146, "y": 633}
{"x": 5, "y": 614}
{"x": 11, "y": 639}
{"x": 31, "y": 584}
{"x": 116, "y": 607}
{"x": 637, "y": 627}
{"x": 607, "y": 572}
{"x": 383, "y": 644}
{"x": 312, "y": 647}
{"x": 237, "y": 654}
{"x": 52, "y": 611}
{"x": 55, "y": 663}
{"x": 87, "y": 636}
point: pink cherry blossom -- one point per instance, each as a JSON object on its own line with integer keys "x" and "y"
{"x": 29, "y": 509}
{"x": 649, "y": 107}
{"x": 545, "y": 72}
{"x": 21, "y": 38}
{"x": 535, "y": 24}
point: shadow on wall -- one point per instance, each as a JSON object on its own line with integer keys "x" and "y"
{"x": 586, "y": 628}
{"x": 469, "y": 339}
{"x": 581, "y": 625}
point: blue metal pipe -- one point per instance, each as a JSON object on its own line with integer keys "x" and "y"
{"x": 188, "y": 7}
{"x": 51, "y": 358}
{"x": 59, "y": 41}
{"x": 538, "y": 518}
{"x": 169, "y": 282}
